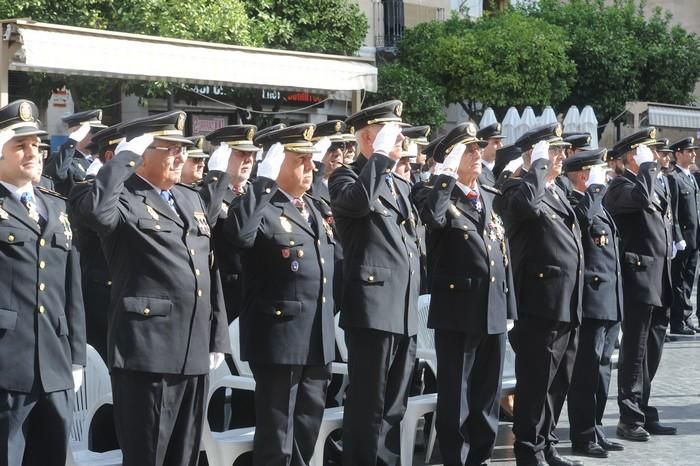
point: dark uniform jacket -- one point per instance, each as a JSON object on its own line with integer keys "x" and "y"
{"x": 162, "y": 317}
{"x": 644, "y": 220}
{"x": 472, "y": 285}
{"x": 287, "y": 310}
{"x": 487, "y": 177}
{"x": 381, "y": 268}
{"x": 67, "y": 167}
{"x": 602, "y": 277}
{"x": 42, "y": 322}
{"x": 686, "y": 198}
{"x": 545, "y": 242}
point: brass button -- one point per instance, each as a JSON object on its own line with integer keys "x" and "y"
{"x": 595, "y": 279}
{"x": 157, "y": 227}
{"x": 325, "y": 280}
{"x": 323, "y": 299}
{"x": 196, "y": 272}
{"x": 444, "y": 185}
{"x": 109, "y": 282}
{"x": 452, "y": 286}
{"x": 638, "y": 263}
{"x": 42, "y": 242}
{"x": 278, "y": 312}
{"x": 370, "y": 278}
{"x": 493, "y": 263}
{"x": 323, "y": 261}
{"x": 42, "y": 264}
{"x": 465, "y": 227}
{"x": 410, "y": 254}
{"x": 199, "y": 293}
{"x": 267, "y": 190}
{"x": 42, "y": 286}
{"x": 318, "y": 242}
{"x": 193, "y": 252}
{"x": 488, "y": 246}
{"x": 42, "y": 309}
{"x": 10, "y": 237}
{"x": 132, "y": 164}
{"x": 541, "y": 275}
{"x": 146, "y": 311}
{"x": 466, "y": 236}
{"x": 493, "y": 279}
{"x": 292, "y": 243}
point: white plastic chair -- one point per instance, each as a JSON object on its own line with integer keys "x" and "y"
{"x": 242, "y": 366}
{"x": 418, "y": 406}
{"x": 95, "y": 392}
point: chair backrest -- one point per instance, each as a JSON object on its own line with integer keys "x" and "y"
{"x": 96, "y": 387}
{"x": 340, "y": 339}
{"x": 242, "y": 366}
{"x": 426, "y": 336}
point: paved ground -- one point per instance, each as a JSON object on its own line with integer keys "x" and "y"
{"x": 676, "y": 393}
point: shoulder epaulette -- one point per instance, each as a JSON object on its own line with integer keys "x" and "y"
{"x": 491, "y": 189}
{"x": 194, "y": 187}
{"x": 51, "y": 192}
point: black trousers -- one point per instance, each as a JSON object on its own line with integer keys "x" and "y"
{"x": 96, "y": 298}
{"x": 289, "y": 404}
{"x": 543, "y": 365}
{"x": 643, "y": 332}
{"x": 590, "y": 381}
{"x": 683, "y": 269}
{"x": 469, "y": 393}
{"x": 380, "y": 365}
{"x": 158, "y": 417}
{"x": 34, "y": 427}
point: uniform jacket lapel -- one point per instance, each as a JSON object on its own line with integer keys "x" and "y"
{"x": 15, "y": 208}
{"x": 185, "y": 206}
{"x": 464, "y": 206}
{"x": 52, "y": 217}
{"x": 152, "y": 198}
{"x": 291, "y": 212}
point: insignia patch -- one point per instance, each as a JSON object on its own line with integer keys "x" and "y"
{"x": 309, "y": 133}
{"x": 202, "y": 224}
{"x": 152, "y": 213}
{"x": 286, "y": 225}
{"x": 652, "y": 133}
{"x": 249, "y": 134}
{"x": 25, "y": 111}
{"x": 295, "y": 266}
{"x": 300, "y": 253}
{"x": 399, "y": 109}
{"x": 557, "y": 131}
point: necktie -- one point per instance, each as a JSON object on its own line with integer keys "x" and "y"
{"x": 399, "y": 200}
{"x": 27, "y": 200}
{"x": 167, "y": 196}
{"x": 237, "y": 190}
{"x": 473, "y": 198}
{"x": 301, "y": 207}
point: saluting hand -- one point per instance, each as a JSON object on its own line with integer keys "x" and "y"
{"x": 80, "y": 133}
{"x": 138, "y": 145}
{"x": 94, "y": 167}
{"x": 219, "y": 159}
{"x": 387, "y": 139}
{"x": 5, "y": 135}
{"x": 540, "y": 151}
{"x": 643, "y": 155}
{"x": 453, "y": 159}
{"x": 271, "y": 164}
{"x": 320, "y": 149}
{"x": 596, "y": 175}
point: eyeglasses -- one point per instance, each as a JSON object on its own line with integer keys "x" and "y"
{"x": 172, "y": 150}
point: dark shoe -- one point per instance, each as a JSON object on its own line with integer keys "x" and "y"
{"x": 683, "y": 331}
{"x": 556, "y": 460}
{"x": 609, "y": 445}
{"x": 631, "y": 432}
{"x": 656, "y": 428}
{"x": 591, "y": 449}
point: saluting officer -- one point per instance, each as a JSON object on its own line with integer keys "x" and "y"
{"x": 42, "y": 323}
{"x": 579, "y": 142}
{"x": 235, "y": 155}
{"x": 167, "y": 325}
{"x": 602, "y": 305}
{"x": 332, "y": 158}
{"x": 547, "y": 253}
{"x": 644, "y": 220}
{"x": 686, "y": 197}
{"x": 472, "y": 298}
{"x": 193, "y": 170}
{"x": 414, "y": 145}
{"x": 492, "y": 134}
{"x": 69, "y": 165}
{"x": 373, "y": 213}
{"x": 287, "y": 329}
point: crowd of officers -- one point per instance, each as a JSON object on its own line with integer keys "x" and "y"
{"x": 122, "y": 239}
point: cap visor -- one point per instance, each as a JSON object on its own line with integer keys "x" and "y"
{"x": 28, "y": 131}
{"x": 179, "y": 139}
{"x": 246, "y": 148}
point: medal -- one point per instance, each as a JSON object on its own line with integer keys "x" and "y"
{"x": 202, "y": 223}
{"x": 286, "y": 226}
{"x": 286, "y": 253}
{"x": 63, "y": 218}
{"x": 152, "y": 212}
{"x": 295, "y": 266}
{"x": 300, "y": 253}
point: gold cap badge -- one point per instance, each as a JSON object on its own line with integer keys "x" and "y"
{"x": 399, "y": 109}
{"x": 25, "y": 111}
{"x": 180, "y": 122}
{"x": 309, "y": 133}
{"x": 557, "y": 131}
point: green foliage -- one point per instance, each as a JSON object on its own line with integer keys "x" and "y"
{"x": 502, "y": 59}
{"x": 620, "y": 55}
{"x": 324, "y": 26}
{"x": 424, "y": 103}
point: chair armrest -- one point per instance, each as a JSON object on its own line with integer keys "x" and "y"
{"x": 339, "y": 368}
{"x": 234, "y": 381}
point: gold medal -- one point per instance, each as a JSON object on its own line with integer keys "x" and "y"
{"x": 63, "y": 218}
{"x": 152, "y": 212}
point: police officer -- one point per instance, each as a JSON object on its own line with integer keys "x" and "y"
{"x": 235, "y": 143}
{"x": 42, "y": 323}
{"x": 492, "y": 134}
{"x": 193, "y": 170}
{"x": 579, "y": 142}
{"x": 287, "y": 329}
{"x": 686, "y": 197}
{"x": 166, "y": 330}
{"x": 547, "y": 257}
{"x": 414, "y": 146}
{"x": 69, "y": 165}
{"x": 644, "y": 224}
{"x": 373, "y": 213}
{"x": 504, "y": 156}
{"x": 602, "y": 305}
{"x": 332, "y": 132}
{"x": 472, "y": 297}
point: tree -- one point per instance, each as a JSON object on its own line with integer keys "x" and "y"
{"x": 423, "y": 99}
{"x": 502, "y": 59}
{"x": 620, "y": 55}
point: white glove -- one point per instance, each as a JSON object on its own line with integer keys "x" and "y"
{"x": 451, "y": 162}
{"x": 138, "y": 145}
{"x": 320, "y": 149}
{"x": 80, "y": 133}
{"x": 219, "y": 159}
{"x": 94, "y": 167}
{"x": 681, "y": 245}
{"x": 5, "y": 136}
{"x": 596, "y": 175}
{"x": 386, "y": 138}
{"x": 77, "y": 377}
{"x": 644, "y": 154}
{"x": 215, "y": 360}
{"x": 513, "y": 165}
{"x": 270, "y": 166}
{"x": 540, "y": 151}
{"x": 674, "y": 251}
